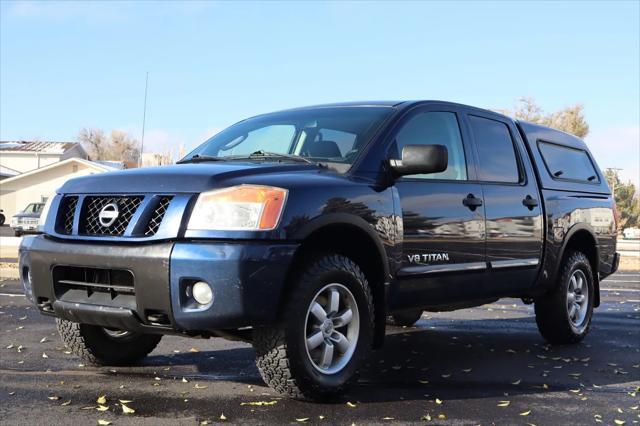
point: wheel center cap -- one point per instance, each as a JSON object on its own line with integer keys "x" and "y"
{"x": 327, "y": 326}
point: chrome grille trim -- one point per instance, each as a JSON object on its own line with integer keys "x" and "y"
{"x": 90, "y": 224}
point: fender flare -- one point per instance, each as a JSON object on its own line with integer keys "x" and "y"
{"x": 332, "y": 219}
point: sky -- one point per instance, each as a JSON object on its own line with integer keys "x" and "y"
{"x": 68, "y": 65}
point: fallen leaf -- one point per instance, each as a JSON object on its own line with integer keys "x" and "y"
{"x": 516, "y": 382}
{"x": 442, "y": 417}
{"x": 194, "y": 350}
{"x": 388, "y": 418}
{"x": 64, "y": 404}
{"x": 466, "y": 370}
{"x": 503, "y": 404}
{"x": 424, "y": 382}
{"x": 44, "y": 339}
{"x": 102, "y": 408}
{"x": 44, "y": 355}
{"x": 260, "y": 403}
{"x": 445, "y": 376}
{"x": 223, "y": 417}
{"x": 124, "y": 401}
{"x": 525, "y": 413}
{"x": 53, "y": 398}
{"x": 104, "y": 422}
{"x": 438, "y": 401}
{"x": 302, "y": 420}
{"x": 184, "y": 380}
{"x": 351, "y": 405}
{"x": 426, "y": 418}
{"x": 197, "y": 386}
{"x": 619, "y": 422}
{"x": 102, "y": 399}
{"x": 127, "y": 410}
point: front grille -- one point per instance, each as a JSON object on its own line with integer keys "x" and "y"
{"x": 90, "y": 223}
{"x": 107, "y": 287}
{"x": 156, "y": 217}
{"x": 67, "y": 213}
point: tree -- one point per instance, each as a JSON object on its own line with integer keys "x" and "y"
{"x": 570, "y": 119}
{"x": 627, "y": 202}
{"x": 119, "y": 146}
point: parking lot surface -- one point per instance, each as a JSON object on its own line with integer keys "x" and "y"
{"x": 486, "y": 365}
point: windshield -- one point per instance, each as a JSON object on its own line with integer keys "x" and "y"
{"x": 325, "y": 134}
{"x": 33, "y": 208}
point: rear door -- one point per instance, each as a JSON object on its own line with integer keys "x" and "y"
{"x": 514, "y": 222}
{"x": 443, "y": 255}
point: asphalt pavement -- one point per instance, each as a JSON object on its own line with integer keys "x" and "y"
{"x": 486, "y": 365}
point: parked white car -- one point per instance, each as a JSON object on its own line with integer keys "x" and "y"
{"x": 631, "y": 233}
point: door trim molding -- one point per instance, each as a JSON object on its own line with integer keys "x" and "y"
{"x": 410, "y": 271}
{"x": 514, "y": 263}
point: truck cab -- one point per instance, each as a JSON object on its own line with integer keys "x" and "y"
{"x": 308, "y": 231}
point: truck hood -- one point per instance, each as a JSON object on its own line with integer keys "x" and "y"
{"x": 179, "y": 178}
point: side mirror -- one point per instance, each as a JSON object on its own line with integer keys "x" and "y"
{"x": 421, "y": 159}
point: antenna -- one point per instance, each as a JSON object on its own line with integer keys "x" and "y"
{"x": 144, "y": 118}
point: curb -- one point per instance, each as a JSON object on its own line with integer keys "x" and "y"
{"x": 11, "y": 273}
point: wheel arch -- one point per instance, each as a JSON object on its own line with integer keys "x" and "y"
{"x": 355, "y": 238}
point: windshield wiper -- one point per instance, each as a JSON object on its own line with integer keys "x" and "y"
{"x": 267, "y": 154}
{"x": 199, "y": 158}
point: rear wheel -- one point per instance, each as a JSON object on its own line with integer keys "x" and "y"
{"x": 102, "y": 346}
{"x": 326, "y": 330}
{"x": 2, "y": 219}
{"x": 564, "y": 316}
{"x": 18, "y": 233}
{"x": 404, "y": 319}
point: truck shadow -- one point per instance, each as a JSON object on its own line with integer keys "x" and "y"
{"x": 460, "y": 359}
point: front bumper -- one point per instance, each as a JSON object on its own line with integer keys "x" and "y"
{"x": 22, "y": 227}
{"x": 247, "y": 279}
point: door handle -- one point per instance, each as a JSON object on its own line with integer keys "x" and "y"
{"x": 472, "y": 202}
{"x": 530, "y": 202}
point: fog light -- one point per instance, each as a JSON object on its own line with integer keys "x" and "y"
{"x": 202, "y": 293}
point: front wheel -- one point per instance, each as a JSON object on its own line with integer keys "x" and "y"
{"x": 101, "y": 346}
{"x": 325, "y": 331}
{"x": 17, "y": 233}
{"x": 564, "y": 315}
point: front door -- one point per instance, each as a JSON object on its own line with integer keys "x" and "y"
{"x": 512, "y": 204}
{"x": 443, "y": 217}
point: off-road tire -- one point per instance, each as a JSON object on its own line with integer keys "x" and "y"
{"x": 404, "y": 319}
{"x": 93, "y": 345}
{"x": 551, "y": 309}
{"x": 281, "y": 354}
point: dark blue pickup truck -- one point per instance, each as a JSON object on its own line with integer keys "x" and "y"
{"x": 307, "y": 231}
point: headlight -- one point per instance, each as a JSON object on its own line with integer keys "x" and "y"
{"x": 242, "y": 208}
{"x": 14, "y": 221}
{"x": 43, "y": 215}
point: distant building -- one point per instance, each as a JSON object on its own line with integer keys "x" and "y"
{"x": 6, "y": 172}
{"x": 153, "y": 159}
{"x": 24, "y": 156}
{"x": 39, "y": 184}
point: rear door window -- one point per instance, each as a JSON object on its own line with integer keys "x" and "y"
{"x": 497, "y": 160}
{"x": 563, "y": 162}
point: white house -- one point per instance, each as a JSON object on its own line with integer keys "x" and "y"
{"x": 24, "y": 156}
{"x": 39, "y": 184}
